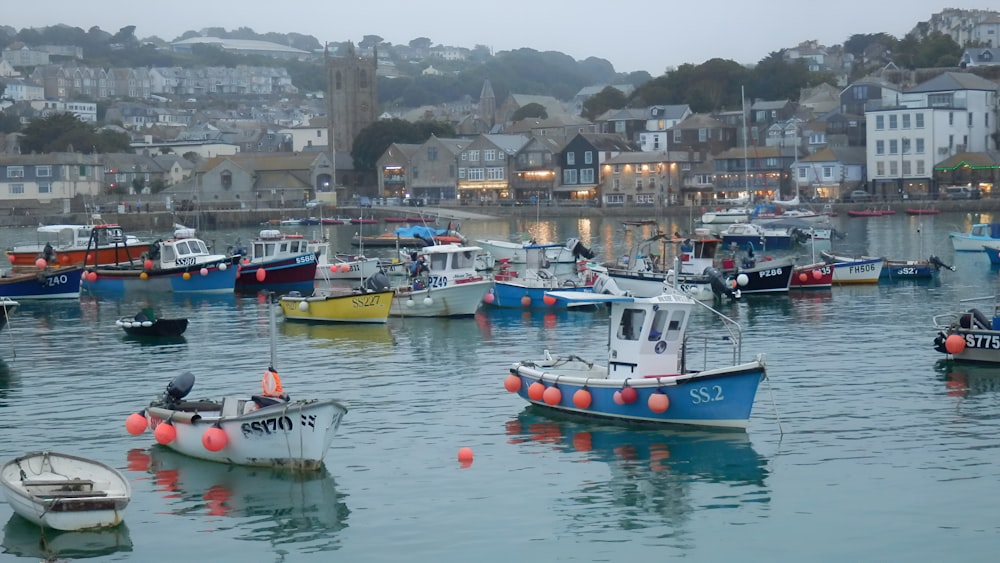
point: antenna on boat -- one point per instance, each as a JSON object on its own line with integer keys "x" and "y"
{"x": 271, "y": 301}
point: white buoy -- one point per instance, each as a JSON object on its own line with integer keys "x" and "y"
{"x": 303, "y": 306}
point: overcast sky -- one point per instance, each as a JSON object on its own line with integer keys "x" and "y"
{"x": 650, "y": 35}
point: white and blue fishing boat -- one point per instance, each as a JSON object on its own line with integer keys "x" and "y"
{"x": 181, "y": 264}
{"x": 531, "y": 290}
{"x": 978, "y": 235}
{"x": 762, "y": 236}
{"x": 992, "y": 250}
{"x": 647, "y": 377}
{"x": 969, "y": 335}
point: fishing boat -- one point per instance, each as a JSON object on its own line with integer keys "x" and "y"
{"x": 276, "y": 262}
{"x": 368, "y": 304}
{"x": 969, "y": 335}
{"x": 818, "y": 275}
{"x": 145, "y": 323}
{"x": 342, "y": 265}
{"x": 977, "y": 235}
{"x": 647, "y": 377}
{"x": 569, "y": 252}
{"x": 65, "y": 492}
{"x": 417, "y": 235}
{"x": 763, "y": 236}
{"x": 759, "y": 275}
{"x": 442, "y": 282}
{"x": 50, "y": 282}
{"x": 726, "y": 216}
{"x": 847, "y": 270}
{"x": 7, "y": 308}
{"x": 530, "y": 290}
{"x": 992, "y": 250}
{"x": 65, "y": 245}
{"x": 901, "y": 270}
{"x": 180, "y": 264}
{"x": 266, "y": 430}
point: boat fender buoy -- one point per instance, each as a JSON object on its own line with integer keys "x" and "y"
{"x": 214, "y": 439}
{"x": 582, "y": 398}
{"x": 147, "y": 323}
{"x": 536, "y": 390}
{"x": 165, "y": 433}
{"x": 658, "y": 402}
{"x": 136, "y": 423}
{"x": 512, "y": 383}
{"x": 955, "y": 344}
{"x": 552, "y": 396}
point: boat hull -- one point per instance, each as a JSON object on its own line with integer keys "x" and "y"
{"x": 157, "y": 328}
{"x": 454, "y": 300}
{"x": 513, "y": 295}
{"x": 294, "y": 435}
{"x": 858, "y": 271}
{"x": 64, "y": 257}
{"x": 766, "y": 276}
{"x": 639, "y": 284}
{"x": 294, "y": 273}
{"x": 214, "y": 278}
{"x": 50, "y": 283}
{"x": 770, "y": 242}
{"x": 900, "y": 270}
{"x": 812, "y": 276}
{"x": 65, "y": 492}
{"x": 349, "y": 308}
{"x": 718, "y": 398}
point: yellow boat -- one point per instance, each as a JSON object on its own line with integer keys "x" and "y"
{"x": 332, "y": 306}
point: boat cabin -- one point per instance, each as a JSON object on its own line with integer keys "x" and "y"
{"x": 449, "y": 264}
{"x": 273, "y": 244}
{"x": 647, "y": 336}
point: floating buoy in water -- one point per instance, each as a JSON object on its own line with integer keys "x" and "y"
{"x": 165, "y": 433}
{"x": 552, "y": 396}
{"x": 214, "y": 439}
{"x": 526, "y": 301}
{"x": 488, "y": 298}
{"x": 549, "y": 300}
{"x": 955, "y": 344}
{"x": 535, "y": 391}
{"x": 136, "y": 423}
{"x": 512, "y": 383}
{"x": 465, "y": 455}
{"x": 582, "y": 399}
{"x": 658, "y": 402}
{"x": 261, "y": 274}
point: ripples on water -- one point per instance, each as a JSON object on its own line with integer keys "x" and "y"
{"x": 863, "y": 445}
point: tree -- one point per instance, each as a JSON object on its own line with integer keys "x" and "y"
{"x": 373, "y": 140}
{"x": 530, "y": 110}
{"x": 370, "y": 41}
{"x": 608, "y": 98}
{"x": 420, "y": 43}
{"x": 61, "y": 132}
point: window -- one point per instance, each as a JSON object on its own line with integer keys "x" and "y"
{"x": 586, "y": 175}
{"x": 432, "y": 153}
{"x": 614, "y": 199}
{"x": 919, "y": 118}
{"x": 476, "y": 174}
{"x": 631, "y": 324}
{"x": 879, "y": 122}
{"x": 951, "y": 118}
{"x": 987, "y": 116}
{"x": 801, "y": 173}
{"x": 879, "y": 147}
{"x": 970, "y": 119}
{"x": 490, "y": 155}
{"x": 906, "y": 121}
{"x": 920, "y": 146}
{"x": 43, "y": 171}
{"x": 906, "y": 167}
{"x": 473, "y": 156}
{"x": 638, "y": 184}
{"x": 893, "y": 146}
{"x": 677, "y": 135}
{"x": 906, "y": 146}
{"x": 702, "y": 134}
{"x": 893, "y": 168}
{"x": 494, "y": 173}
{"x": 15, "y": 172}
{"x": 461, "y": 173}
{"x": 827, "y": 172}
{"x": 892, "y": 121}
{"x": 571, "y": 158}
{"x": 880, "y": 168}
{"x": 656, "y": 141}
{"x": 617, "y": 168}
{"x": 616, "y": 183}
{"x": 44, "y": 188}
{"x": 588, "y": 157}
{"x": 920, "y": 167}
{"x": 416, "y": 172}
{"x": 569, "y": 177}
{"x": 465, "y": 156}
{"x": 16, "y": 189}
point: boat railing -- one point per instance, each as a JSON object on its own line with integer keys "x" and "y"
{"x": 734, "y": 333}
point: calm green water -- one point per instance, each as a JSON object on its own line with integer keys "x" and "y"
{"x": 861, "y": 448}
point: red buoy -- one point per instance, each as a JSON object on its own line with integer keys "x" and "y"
{"x": 629, "y": 395}
{"x": 549, "y": 300}
{"x": 165, "y": 433}
{"x": 214, "y": 439}
{"x": 659, "y": 402}
{"x": 955, "y": 344}
{"x": 261, "y": 274}
{"x": 552, "y": 396}
{"x": 136, "y": 424}
{"x": 535, "y": 391}
{"x": 582, "y": 399}
{"x": 512, "y": 383}
{"x": 488, "y": 298}
{"x": 526, "y": 301}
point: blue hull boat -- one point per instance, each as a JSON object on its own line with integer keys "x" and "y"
{"x": 50, "y": 283}
{"x": 206, "y": 279}
{"x": 902, "y": 270}
{"x": 513, "y": 295}
{"x": 647, "y": 378}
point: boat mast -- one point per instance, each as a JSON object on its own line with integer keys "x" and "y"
{"x": 746, "y": 166}
{"x": 274, "y": 330}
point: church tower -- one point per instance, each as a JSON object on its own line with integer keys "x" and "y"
{"x": 488, "y": 105}
{"x": 352, "y": 99}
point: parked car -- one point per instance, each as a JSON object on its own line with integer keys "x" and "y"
{"x": 961, "y": 192}
{"x": 364, "y": 202}
{"x": 858, "y": 196}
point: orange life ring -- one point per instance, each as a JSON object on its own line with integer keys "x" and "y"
{"x": 271, "y": 384}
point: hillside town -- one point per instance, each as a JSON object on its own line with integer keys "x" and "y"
{"x": 894, "y": 134}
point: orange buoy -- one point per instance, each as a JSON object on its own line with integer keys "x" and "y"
{"x": 582, "y": 399}
{"x": 817, "y": 274}
{"x": 465, "y": 454}
{"x": 136, "y": 423}
{"x": 617, "y": 397}
{"x": 526, "y": 301}
{"x": 512, "y": 383}
{"x": 552, "y": 396}
{"x": 488, "y": 298}
{"x": 549, "y": 300}
{"x": 64, "y": 259}
{"x": 344, "y": 268}
{"x": 955, "y": 344}
{"x": 148, "y": 264}
{"x": 143, "y": 276}
{"x": 261, "y": 274}
{"x": 270, "y": 384}
{"x": 214, "y": 439}
{"x": 165, "y": 433}
{"x": 536, "y": 390}
{"x": 186, "y": 276}
{"x": 41, "y": 263}
{"x": 803, "y": 277}
{"x": 658, "y": 402}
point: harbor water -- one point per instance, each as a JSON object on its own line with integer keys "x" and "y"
{"x": 863, "y": 445}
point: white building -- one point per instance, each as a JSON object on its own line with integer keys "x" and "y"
{"x": 20, "y": 91}
{"x": 949, "y": 114}
{"x": 659, "y": 121}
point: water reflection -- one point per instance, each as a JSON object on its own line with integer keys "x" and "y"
{"x": 276, "y": 506}
{"x": 964, "y": 380}
{"x": 652, "y": 471}
{"x": 24, "y": 539}
{"x": 329, "y": 334}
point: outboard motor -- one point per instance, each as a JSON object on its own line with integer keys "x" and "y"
{"x": 579, "y": 250}
{"x": 178, "y": 388}
{"x": 720, "y": 287}
{"x": 376, "y": 282}
{"x": 937, "y": 263}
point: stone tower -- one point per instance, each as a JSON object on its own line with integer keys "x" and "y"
{"x": 353, "y": 99}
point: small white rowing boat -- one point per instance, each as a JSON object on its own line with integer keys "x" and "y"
{"x": 65, "y": 492}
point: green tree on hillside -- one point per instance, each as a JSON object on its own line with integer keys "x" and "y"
{"x": 530, "y": 110}
{"x": 373, "y": 140}
{"x": 608, "y": 98}
{"x": 63, "y": 132}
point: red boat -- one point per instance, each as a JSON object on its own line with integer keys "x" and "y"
{"x": 277, "y": 262}
{"x": 818, "y": 275}
{"x": 922, "y": 211}
{"x": 62, "y": 245}
{"x": 363, "y": 221}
